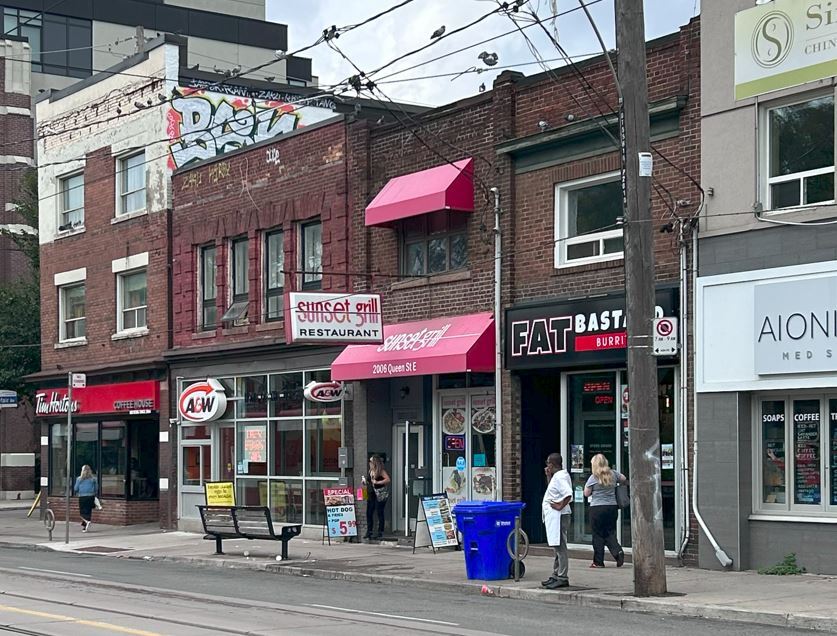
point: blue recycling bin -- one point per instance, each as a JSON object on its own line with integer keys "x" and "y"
{"x": 485, "y": 528}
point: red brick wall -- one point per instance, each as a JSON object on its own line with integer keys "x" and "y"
{"x": 116, "y": 512}
{"x": 246, "y": 194}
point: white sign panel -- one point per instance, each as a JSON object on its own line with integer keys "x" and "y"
{"x": 79, "y": 380}
{"x": 783, "y": 43}
{"x": 336, "y": 318}
{"x": 665, "y": 336}
{"x": 325, "y": 391}
{"x": 796, "y": 326}
{"x": 202, "y": 401}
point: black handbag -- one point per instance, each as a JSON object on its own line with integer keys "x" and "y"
{"x": 623, "y": 496}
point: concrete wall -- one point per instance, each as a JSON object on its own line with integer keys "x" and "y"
{"x": 245, "y": 8}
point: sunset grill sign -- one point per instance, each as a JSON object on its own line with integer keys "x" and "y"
{"x": 334, "y": 318}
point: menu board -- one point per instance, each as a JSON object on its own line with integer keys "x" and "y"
{"x": 440, "y": 523}
{"x": 340, "y": 512}
{"x": 806, "y": 426}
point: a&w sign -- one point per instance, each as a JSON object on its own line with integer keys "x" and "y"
{"x": 202, "y": 401}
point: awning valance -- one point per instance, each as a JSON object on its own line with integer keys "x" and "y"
{"x": 446, "y": 187}
{"x": 440, "y": 345}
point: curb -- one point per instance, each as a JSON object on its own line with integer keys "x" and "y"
{"x": 580, "y": 598}
{"x": 577, "y": 598}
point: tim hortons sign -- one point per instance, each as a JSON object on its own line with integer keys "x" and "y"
{"x": 325, "y": 391}
{"x": 203, "y": 401}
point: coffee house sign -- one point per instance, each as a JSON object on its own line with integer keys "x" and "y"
{"x": 129, "y": 398}
{"x": 796, "y": 326}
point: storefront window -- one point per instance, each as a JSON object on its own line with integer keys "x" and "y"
{"x": 314, "y": 503}
{"x": 323, "y": 442}
{"x": 832, "y": 419}
{"x": 287, "y": 447}
{"x": 226, "y": 446}
{"x": 251, "y": 492}
{"x": 254, "y": 391}
{"x": 252, "y": 449}
{"x": 192, "y": 464}
{"x": 806, "y": 472}
{"x": 286, "y": 500}
{"x": 114, "y": 457}
{"x": 144, "y": 462}
{"x": 194, "y": 432}
{"x": 320, "y": 408}
{"x": 85, "y": 445}
{"x": 483, "y": 448}
{"x": 58, "y": 459}
{"x": 773, "y": 452}
{"x": 286, "y": 395}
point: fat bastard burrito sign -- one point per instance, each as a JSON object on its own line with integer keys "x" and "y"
{"x": 796, "y": 326}
{"x": 336, "y": 318}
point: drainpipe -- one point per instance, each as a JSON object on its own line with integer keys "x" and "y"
{"x": 723, "y": 557}
{"x": 498, "y": 356}
{"x": 684, "y": 392}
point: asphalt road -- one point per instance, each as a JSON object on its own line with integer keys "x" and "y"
{"x": 51, "y": 593}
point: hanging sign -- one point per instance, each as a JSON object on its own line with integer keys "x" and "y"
{"x": 325, "y": 391}
{"x": 219, "y": 493}
{"x": 202, "y": 401}
{"x": 341, "y": 520}
{"x": 339, "y": 318}
{"x": 8, "y": 399}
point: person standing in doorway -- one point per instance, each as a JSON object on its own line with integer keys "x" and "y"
{"x": 86, "y": 487}
{"x": 377, "y": 486}
{"x": 556, "y": 510}
{"x": 600, "y": 489}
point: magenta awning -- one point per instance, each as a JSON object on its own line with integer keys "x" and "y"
{"x": 424, "y": 347}
{"x": 446, "y": 187}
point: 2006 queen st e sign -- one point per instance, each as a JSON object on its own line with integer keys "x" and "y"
{"x": 334, "y": 318}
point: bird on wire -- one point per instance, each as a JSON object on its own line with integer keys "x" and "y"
{"x": 438, "y": 32}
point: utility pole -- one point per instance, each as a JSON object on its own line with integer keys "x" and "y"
{"x": 643, "y": 413}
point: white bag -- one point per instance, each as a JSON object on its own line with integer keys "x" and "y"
{"x": 97, "y": 503}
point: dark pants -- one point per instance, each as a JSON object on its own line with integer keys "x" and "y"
{"x": 373, "y": 506}
{"x": 85, "y": 507}
{"x": 603, "y": 522}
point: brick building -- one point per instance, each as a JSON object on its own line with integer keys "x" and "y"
{"x": 426, "y": 243}
{"x": 107, "y": 148}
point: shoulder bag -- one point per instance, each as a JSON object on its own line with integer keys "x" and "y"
{"x": 623, "y": 496}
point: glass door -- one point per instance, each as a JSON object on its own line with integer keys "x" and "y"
{"x": 402, "y": 488}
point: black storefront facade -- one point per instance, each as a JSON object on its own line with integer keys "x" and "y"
{"x": 570, "y": 359}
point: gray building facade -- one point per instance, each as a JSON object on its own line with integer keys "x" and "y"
{"x": 766, "y": 293}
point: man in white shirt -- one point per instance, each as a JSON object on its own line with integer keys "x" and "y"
{"x": 556, "y": 510}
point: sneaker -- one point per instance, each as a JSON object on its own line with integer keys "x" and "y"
{"x": 551, "y": 579}
{"x": 87, "y": 527}
{"x": 620, "y": 559}
{"x": 555, "y": 584}
{"x": 595, "y": 566}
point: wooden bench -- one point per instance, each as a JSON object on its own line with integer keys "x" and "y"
{"x": 245, "y": 522}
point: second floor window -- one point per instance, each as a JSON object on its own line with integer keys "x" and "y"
{"x": 132, "y": 300}
{"x": 311, "y": 243}
{"x": 72, "y": 324}
{"x": 131, "y": 180}
{"x": 239, "y": 281}
{"x": 587, "y": 214}
{"x": 72, "y": 202}
{"x": 274, "y": 275}
{"x": 208, "y": 287}
{"x": 434, "y": 243}
{"x": 800, "y": 153}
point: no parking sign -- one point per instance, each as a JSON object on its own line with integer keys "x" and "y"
{"x": 665, "y": 336}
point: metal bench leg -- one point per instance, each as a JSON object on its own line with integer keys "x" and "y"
{"x": 285, "y": 550}
{"x": 218, "y": 547}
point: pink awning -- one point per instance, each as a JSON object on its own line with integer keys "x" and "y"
{"x": 446, "y": 187}
{"x": 424, "y": 347}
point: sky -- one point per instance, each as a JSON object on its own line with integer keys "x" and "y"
{"x": 412, "y": 25}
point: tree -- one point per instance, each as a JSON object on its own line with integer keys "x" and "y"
{"x": 20, "y": 307}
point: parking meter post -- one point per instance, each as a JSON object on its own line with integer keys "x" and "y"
{"x": 516, "y": 548}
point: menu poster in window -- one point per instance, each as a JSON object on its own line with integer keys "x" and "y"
{"x": 484, "y": 483}
{"x": 440, "y": 522}
{"x": 577, "y": 458}
{"x": 483, "y": 414}
{"x": 255, "y": 444}
{"x": 340, "y": 512}
{"x": 455, "y": 484}
{"x": 806, "y": 419}
{"x": 832, "y": 418}
{"x": 453, "y": 415}
{"x": 667, "y": 456}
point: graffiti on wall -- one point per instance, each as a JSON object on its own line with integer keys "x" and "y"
{"x": 203, "y": 124}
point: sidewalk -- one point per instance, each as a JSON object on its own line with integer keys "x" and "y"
{"x": 807, "y": 601}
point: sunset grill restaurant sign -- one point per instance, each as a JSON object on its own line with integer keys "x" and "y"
{"x": 574, "y": 333}
{"x": 335, "y": 318}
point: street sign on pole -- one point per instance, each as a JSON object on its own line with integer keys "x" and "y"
{"x": 79, "y": 380}
{"x": 71, "y": 382}
{"x": 665, "y": 337}
{"x": 8, "y": 399}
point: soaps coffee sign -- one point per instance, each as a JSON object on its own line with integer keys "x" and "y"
{"x": 203, "y": 401}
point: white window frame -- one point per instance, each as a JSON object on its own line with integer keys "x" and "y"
{"x": 316, "y": 282}
{"x": 267, "y": 291}
{"x": 562, "y": 241}
{"x": 63, "y": 180}
{"x": 63, "y": 281}
{"x": 764, "y": 163}
{"x": 122, "y": 180}
{"x": 124, "y": 267}
{"x": 789, "y": 510}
